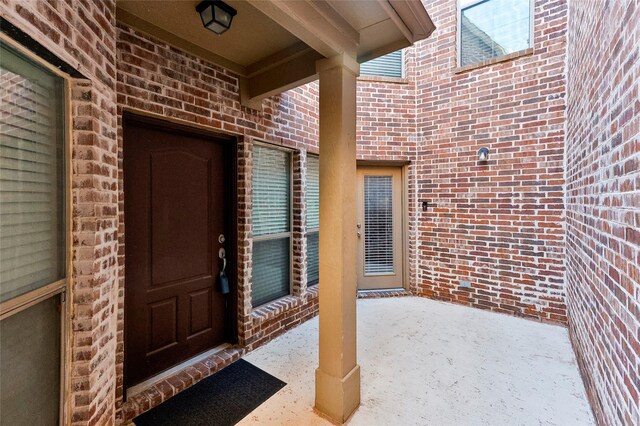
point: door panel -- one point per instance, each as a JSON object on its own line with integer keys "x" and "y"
{"x": 179, "y": 178}
{"x": 380, "y": 247}
{"x": 174, "y": 212}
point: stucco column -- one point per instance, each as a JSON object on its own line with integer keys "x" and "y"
{"x": 338, "y": 375}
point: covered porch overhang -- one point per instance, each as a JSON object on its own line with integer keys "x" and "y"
{"x": 277, "y": 45}
{"x": 273, "y": 45}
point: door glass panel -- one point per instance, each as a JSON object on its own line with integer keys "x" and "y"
{"x": 30, "y": 365}
{"x": 31, "y": 175}
{"x": 378, "y": 225}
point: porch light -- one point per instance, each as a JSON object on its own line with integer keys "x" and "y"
{"x": 216, "y": 15}
{"x": 483, "y": 154}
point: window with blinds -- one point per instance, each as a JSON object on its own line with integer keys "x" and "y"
{"x": 390, "y": 65}
{"x": 271, "y": 224}
{"x": 32, "y": 243}
{"x": 378, "y": 225}
{"x": 32, "y": 239}
{"x": 313, "y": 219}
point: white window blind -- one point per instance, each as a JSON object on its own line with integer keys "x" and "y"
{"x": 378, "y": 225}
{"x": 313, "y": 218}
{"x": 271, "y": 193}
{"x": 389, "y": 65}
{"x": 313, "y": 264}
{"x": 313, "y": 192}
{"x": 271, "y": 224}
{"x": 32, "y": 248}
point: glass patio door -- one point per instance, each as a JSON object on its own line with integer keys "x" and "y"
{"x": 32, "y": 239}
{"x": 380, "y": 235}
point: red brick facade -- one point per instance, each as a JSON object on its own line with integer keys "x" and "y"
{"x": 603, "y": 203}
{"x": 155, "y": 78}
{"x": 83, "y": 35}
{"x": 497, "y": 225}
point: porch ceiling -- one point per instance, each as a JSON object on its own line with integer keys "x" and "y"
{"x": 273, "y": 44}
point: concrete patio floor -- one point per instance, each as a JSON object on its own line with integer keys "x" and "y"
{"x": 430, "y": 363}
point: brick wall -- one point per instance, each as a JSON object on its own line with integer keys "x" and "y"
{"x": 83, "y": 35}
{"x": 497, "y": 225}
{"x": 603, "y": 203}
{"x": 386, "y": 131}
{"x": 153, "y": 77}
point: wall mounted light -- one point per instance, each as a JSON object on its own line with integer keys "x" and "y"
{"x": 483, "y": 154}
{"x": 216, "y": 15}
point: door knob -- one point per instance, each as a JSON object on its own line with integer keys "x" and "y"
{"x": 221, "y": 239}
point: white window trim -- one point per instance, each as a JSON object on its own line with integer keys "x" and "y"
{"x": 532, "y": 19}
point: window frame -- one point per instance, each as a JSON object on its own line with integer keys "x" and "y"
{"x": 278, "y": 235}
{"x": 313, "y": 230}
{"x": 62, "y": 287}
{"x": 509, "y": 56}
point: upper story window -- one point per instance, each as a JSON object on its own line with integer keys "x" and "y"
{"x": 493, "y": 28}
{"x": 390, "y": 65}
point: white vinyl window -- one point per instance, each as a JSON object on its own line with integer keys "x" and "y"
{"x": 32, "y": 238}
{"x": 389, "y": 65}
{"x": 271, "y": 224}
{"x": 313, "y": 219}
{"x": 490, "y": 29}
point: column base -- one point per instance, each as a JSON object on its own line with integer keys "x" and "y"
{"x": 338, "y": 397}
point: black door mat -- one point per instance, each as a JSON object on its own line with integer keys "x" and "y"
{"x": 222, "y": 399}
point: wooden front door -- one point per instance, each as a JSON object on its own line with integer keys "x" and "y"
{"x": 380, "y": 235}
{"x": 174, "y": 214}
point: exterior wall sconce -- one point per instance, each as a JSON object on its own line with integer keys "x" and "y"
{"x": 216, "y": 15}
{"x": 483, "y": 154}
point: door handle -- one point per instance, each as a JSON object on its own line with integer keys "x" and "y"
{"x": 222, "y": 254}
{"x": 223, "y": 281}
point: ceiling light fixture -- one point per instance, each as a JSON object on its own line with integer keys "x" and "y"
{"x": 216, "y": 15}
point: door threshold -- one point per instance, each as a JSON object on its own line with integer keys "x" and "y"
{"x": 383, "y": 293}
{"x": 136, "y": 389}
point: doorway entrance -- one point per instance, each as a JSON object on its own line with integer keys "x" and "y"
{"x": 176, "y": 220}
{"x": 380, "y": 228}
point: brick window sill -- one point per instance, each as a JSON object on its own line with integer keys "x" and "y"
{"x": 278, "y": 307}
{"x": 380, "y": 79}
{"x": 493, "y": 61}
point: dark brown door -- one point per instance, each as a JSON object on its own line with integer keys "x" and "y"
{"x": 174, "y": 214}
